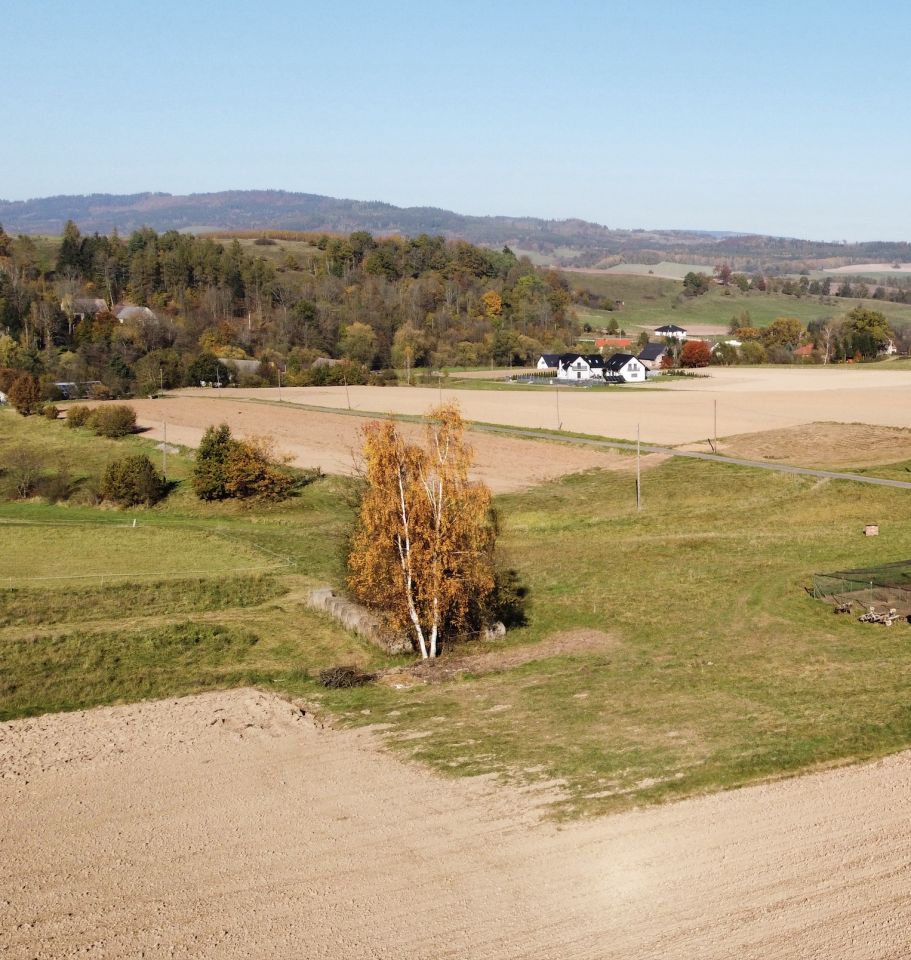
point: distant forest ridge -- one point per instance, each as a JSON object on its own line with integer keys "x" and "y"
{"x": 570, "y": 242}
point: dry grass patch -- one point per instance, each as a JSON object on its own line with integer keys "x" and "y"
{"x": 821, "y": 444}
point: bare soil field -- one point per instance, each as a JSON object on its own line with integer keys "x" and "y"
{"x": 827, "y": 445}
{"x": 331, "y": 441}
{"x": 230, "y": 825}
{"x": 859, "y": 268}
{"x": 671, "y": 411}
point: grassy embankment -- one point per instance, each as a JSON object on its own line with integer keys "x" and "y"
{"x": 194, "y": 596}
{"x": 716, "y": 668}
{"x": 650, "y": 302}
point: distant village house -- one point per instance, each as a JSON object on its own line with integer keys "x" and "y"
{"x": 670, "y": 331}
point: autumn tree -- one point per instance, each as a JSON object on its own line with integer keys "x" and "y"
{"x": 870, "y": 330}
{"x": 493, "y": 303}
{"x": 25, "y": 394}
{"x": 695, "y": 353}
{"x": 422, "y": 549}
{"x": 358, "y": 343}
{"x": 782, "y": 332}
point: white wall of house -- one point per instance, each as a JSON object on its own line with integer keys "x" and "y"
{"x": 632, "y": 371}
{"x": 579, "y": 369}
{"x": 542, "y": 364}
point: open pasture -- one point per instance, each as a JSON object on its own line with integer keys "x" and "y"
{"x": 650, "y": 302}
{"x": 59, "y": 551}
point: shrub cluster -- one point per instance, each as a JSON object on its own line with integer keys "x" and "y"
{"x": 132, "y": 480}
{"x": 78, "y": 415}
{"x": 29, "y": 471}
{"x": 227, "y": 468}
{"x": 116, "y": 420}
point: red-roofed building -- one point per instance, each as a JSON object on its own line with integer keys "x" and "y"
{"x": 613, "y": 342}
{"x": 805, "y": 351}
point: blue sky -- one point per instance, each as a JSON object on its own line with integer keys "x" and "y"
{"x": 784, "y": 118}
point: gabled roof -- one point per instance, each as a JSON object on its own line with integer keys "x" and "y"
{"x": 592, "y": 359}
{"x": 670, "y": 328}
{"x": 88, "y": 304}
{"x": 551, "y": 359}
{"x": 613, "y": 342}
{"x": 652, "y": 351}
{"x": 132, "y": 311}
{"x": 618, "y": 361}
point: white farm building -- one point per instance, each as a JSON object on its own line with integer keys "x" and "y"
{"x": 670, "y": 331}
{"x": 580, "y": 366}
{"x": 626, "y": 367}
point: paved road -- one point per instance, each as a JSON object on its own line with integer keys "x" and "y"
{"x": 695, "y": 455}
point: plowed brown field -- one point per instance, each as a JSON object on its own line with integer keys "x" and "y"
{"x": 228, "y": 825}
{"x": 331, "y": 441}
{"x": 670, "y": 411}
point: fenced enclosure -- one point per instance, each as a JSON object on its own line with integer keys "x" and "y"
{"x": 887, "y": 585}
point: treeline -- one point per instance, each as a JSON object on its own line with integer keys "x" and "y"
{"x": 862, "y": 334}
{"x": 373, "y": 303}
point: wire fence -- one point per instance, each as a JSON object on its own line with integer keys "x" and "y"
{"x": 887, "y": 585}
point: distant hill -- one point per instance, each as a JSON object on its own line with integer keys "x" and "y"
{"x": 569, "y": 242}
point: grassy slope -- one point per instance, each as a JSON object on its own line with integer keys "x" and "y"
{"x": 651, "y": 302}
{"x": 83, "y": 643}
{"x": 724, "y": 670}
{"x": 721, "y": 669}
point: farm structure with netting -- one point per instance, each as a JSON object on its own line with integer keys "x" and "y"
{"x": 887, "y": 585}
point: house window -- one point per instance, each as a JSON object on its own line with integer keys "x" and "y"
{"x": 579, "y": 375}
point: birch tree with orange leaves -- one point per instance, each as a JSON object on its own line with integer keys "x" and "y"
{"x": 422, "y": 550}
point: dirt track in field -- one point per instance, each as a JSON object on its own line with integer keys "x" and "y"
{"x": 331, "y": 441}
{"x": 228, "y": 825}
{"x": 670, "y": 411}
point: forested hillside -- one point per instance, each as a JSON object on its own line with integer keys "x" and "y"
{"x": 371, "y": 303}
{"x": 569, "y": 242}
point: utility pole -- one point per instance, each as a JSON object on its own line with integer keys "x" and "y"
{"x": 164, "y": 450}
{"x": 638, "y": 475}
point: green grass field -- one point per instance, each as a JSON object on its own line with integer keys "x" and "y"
{"x": 713, "y": 668}
{"x": 650, "y": 302}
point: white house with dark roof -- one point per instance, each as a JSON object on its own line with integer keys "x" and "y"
{"x": 624, "y": 367}
{"x": 580, "y": 366}
{"x": 548, "y": 361}
{"x": 670, "y": 331}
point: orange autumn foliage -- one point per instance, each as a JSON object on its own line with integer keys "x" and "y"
{"x": 422, "y": 550}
